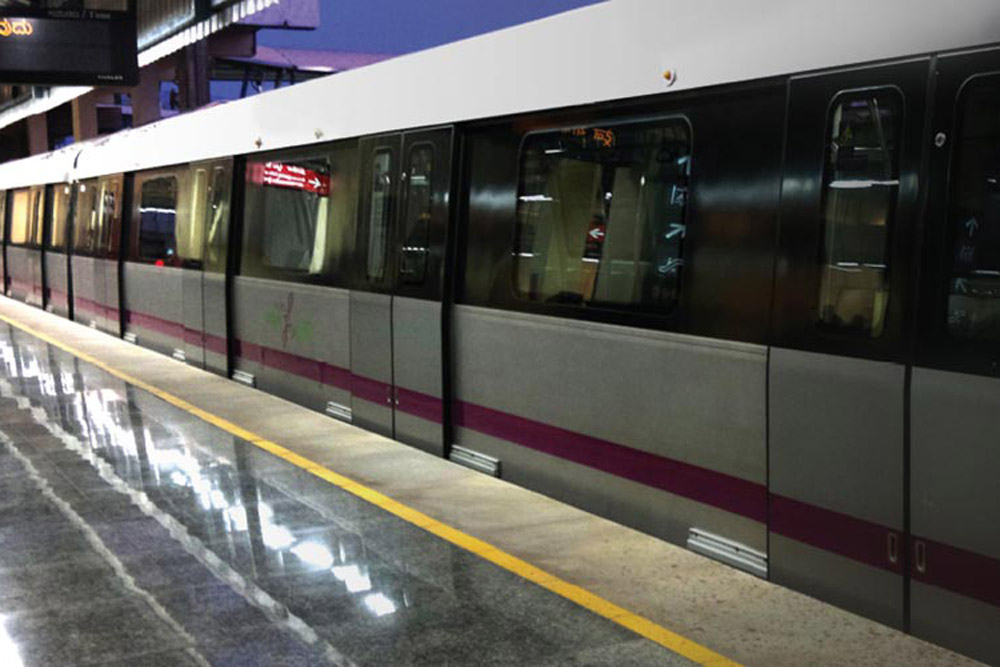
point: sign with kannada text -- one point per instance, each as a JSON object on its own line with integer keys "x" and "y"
{"x": 72, "y": 47}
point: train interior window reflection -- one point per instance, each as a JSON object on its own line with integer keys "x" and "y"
{"x": 61, "y": 207}
{"x": 37, "y": 229}
{"x": 85, "y": 227}
{"x": 158, "y": 220}
{"x": 20, "y": 217}
{"x": 974, "y": 216}
{"x": 108, "y": 216}
{"x": 601, "y": 216}
{"x": 419, "y": 202}
{"x": 378, "y": 215}
{"x": 287, "y": 218}
{"x": 217, "y": 219}
{"x": 860, "y": 184}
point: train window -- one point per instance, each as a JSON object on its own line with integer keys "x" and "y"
{"x": 212, "y": 210}
{"x": 601, "y": 215}
{"x": 974, "y": 215}
{"x": 108, "y": 215}
{"x": 61, "y": 205}
{"x": 378, "y": 215}
{"x": 299, "y": 212}
{"x": 419, "y": 202}
{"x": 158, "y": 220}
{"x": 3, "y": 214}
{"x": 860, "y": 184}
{"x": 26, "y": 217}
{"x": 85, "y": 226}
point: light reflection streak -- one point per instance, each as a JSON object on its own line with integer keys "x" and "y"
{"x": 9, "y": 655}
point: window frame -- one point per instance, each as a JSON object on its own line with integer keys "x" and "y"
{"x": 635, "y": 317}
{"x": 70, "y": 215}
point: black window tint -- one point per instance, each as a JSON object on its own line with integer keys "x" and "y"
{"x": 85, "y": 226}
{"x": 860, "y": 184}
{"x": 158, "y": 220}
{"x": 974, "y": 216}
{"x": 378, "y": 215}
{"x": 419, "y": 203}
{"x": 62, "y": 196}
{"x": 601, "y": 215}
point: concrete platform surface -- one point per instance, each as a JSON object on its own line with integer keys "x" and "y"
{"x": 134, "y": 532}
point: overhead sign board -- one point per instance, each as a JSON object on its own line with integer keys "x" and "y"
{"x": 72, "y": 47}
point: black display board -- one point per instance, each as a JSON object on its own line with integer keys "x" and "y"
{"x": 67, "y": 46}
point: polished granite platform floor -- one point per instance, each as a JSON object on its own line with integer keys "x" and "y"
{"x": 133, "y": 533}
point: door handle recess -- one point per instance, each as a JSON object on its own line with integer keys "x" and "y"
{"x": 920, "y": 556}
{"x": 892, "y": 547}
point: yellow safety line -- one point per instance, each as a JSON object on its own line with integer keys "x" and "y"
{"x": 637, "y": 624}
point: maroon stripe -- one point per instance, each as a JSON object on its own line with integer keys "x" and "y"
{"x": 249, "y": 351}
{"x": 964, "y": 572}
{"x": 420, "y": 405}
{"x": 838, "y": 533}
{"x": 96, "y": 308}
{"x": 291, "y": 363}
{"x": 153, "y": 323}
{"x": 369, "y": 390}
{"x": 57, "y": 296}
{"x": 216, "y": 344}
{"x": 335, "y": 376}
{"x": 701, "y": 484}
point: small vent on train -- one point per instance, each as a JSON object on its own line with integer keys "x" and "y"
{"x": 179, "y": 354}
{"x": 245, "y": 378}
{"x": 339, "y": 411}
{"x": 727, "y": 551}
{"x": 475, "y": 460}
{"x": 131, "y": 338}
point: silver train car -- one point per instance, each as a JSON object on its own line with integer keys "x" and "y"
{"x": 726, "y": 274}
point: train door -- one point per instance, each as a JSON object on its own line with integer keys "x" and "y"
{"x": 396, "y": 335}
{"x": 955, "y": 386}
{"x": 837, "y": 369}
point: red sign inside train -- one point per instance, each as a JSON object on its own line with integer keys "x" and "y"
{"x": 291, "y": 176}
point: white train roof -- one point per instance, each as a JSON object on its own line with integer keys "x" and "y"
{"x": 617, "y": 49}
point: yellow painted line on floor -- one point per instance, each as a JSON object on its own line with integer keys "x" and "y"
{"x": 596, "y": 604}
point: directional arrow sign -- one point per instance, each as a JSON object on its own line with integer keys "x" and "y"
{"x": 291, "y": 176}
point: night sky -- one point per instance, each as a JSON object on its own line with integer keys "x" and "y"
{"x": 402, "y": 26}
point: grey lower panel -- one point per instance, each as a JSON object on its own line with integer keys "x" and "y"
{"x": 837, "y": 434}
{"x": 701, "y": 401}
{"x": 416, "y": 358}
{"x": 665, "y": 515}
{"x": 955, "y": 459}
{"x": 371, "y": 359}
{"x": 57, "y": 279}
{"x": 24, "y": 268}
{"x": 84, "y": 289}
{"x": 421, "y": 433}
{"x": 957, "y": 622}
{"x": 289, "y": 321}
{"x": 214, "y": 315}
{"x": 869, "y": 591}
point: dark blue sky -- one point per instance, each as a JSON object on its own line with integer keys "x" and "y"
{"x": 402, "y": 26}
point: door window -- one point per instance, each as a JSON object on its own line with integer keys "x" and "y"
{"x": 974, "y": 215}
{"x": 378, "y": 215}
{"x": 417, "y": 223}
{"x": 860, "y": 185}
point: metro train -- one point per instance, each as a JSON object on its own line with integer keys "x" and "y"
{"x": 727, "y": 274}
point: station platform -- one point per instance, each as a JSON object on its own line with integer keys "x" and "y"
{"x": 155, "y": 514}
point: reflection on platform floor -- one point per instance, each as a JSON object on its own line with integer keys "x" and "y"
{"x": 132, "y": 532}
